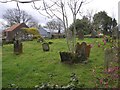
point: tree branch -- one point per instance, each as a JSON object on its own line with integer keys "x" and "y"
{"x": 79, "y": 7}
{"x": 19, "y": 1}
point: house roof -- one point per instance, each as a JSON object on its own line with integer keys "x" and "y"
{"x": 16, "y": 26}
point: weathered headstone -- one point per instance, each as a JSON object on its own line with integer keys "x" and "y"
{"x": 94, "y": 34}
{"x": 18, "y": 49}
{"x": 88, "y": 50}
{"x": 82, "y": 51}
{"x": 78, "y": 49}
{"x": 45, "y": 47}
{"x": 80, "y": 35}
{"x": 108, "y": 58}
{"x": 66, "y": 56}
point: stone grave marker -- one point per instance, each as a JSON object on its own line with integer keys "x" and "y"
{"x": 88, "y": 50}
{"x": 83, "y": 51}
{"x": 108, "y": 57}
{"x": 66, "y": 56}
{"x": 80, "y": 35}
{"x": 45, "y": 47}
{"x": 94, "y": 34}
{"x": 18, "y": 49}
{"x": 78, "y": 49}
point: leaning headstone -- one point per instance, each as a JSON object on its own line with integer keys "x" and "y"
{"x": 45, "y": 47}
{"x": 18, "y": 49}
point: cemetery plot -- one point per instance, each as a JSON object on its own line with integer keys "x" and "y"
{"x": 36, "y": 67}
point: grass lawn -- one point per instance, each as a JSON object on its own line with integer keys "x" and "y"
{"x": 34, "y": 66}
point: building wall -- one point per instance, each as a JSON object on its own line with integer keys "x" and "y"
{"x": 44, "y": 33}
{"x": 16, "y": 34}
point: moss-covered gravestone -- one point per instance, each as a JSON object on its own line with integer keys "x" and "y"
{"x": 66, "y": 56}
{"x": 45, "y": 47}
{"x": 81, "y": 54}
{"x": 18, "y": 49}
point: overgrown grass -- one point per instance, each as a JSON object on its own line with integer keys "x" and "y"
{"x": 34, "y": 66}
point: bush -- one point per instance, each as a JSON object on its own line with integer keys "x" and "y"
{"x": 33, "y": 31}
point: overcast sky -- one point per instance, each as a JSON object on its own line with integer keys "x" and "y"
{"x": 110, "y": 6}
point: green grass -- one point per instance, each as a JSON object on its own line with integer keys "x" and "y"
{"x": 34, "y": 66}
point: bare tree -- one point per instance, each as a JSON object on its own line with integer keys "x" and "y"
{"x": 25, "y": 1}
{"x": 55, "y": 24}
{"x": 63, "y": 9}
{"x": 13, "y": 16}
{"x": 90, "y": 14}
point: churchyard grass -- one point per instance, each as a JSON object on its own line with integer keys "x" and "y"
{"x": 34, "y": 66}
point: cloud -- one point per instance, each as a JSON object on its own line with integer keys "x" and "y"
{"x": 110, "y": 6}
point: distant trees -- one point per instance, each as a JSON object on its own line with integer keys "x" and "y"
{"x": 114, "y": 22}
{"x": 13, "y": 16}
{"x": 99, "y": 22}
{"x": 104, "y": 22}
{"x": 82, "y": 25}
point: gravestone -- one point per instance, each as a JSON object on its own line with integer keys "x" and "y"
{"x": 94, "y": 34}
{"x": 78, "y": 48}
{"x": 88, "y": 50}
{"x": 18, "y": 49}
{"x": 108, "y": 58}
{"x": 66, "y": 56}
{"x": 82, "y": 51}
{"x": 45, "y": 47}
{"x": 80, "y": 35}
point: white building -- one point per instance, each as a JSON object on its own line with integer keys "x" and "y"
{"x": 47, "y": 33}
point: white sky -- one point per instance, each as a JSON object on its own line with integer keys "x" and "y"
{"x": 110, "y": 6}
